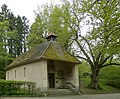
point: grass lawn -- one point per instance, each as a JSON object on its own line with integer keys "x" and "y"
{"x": 105, "y": 88}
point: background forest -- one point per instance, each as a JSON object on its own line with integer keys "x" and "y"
{"x": 13, "y": 33}
{"x": 88, "y": 29}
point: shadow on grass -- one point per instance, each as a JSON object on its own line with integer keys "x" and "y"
{"x": 102, "y": 82}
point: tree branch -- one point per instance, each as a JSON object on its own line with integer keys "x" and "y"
{"x": 98, "y": 58}
{"x": 82, "y": 58}
{"x": 88, "y": 58}
{"x": 104, "y": 60}
{"x": 91, "y": 53}
{"x": 110, "y": 64}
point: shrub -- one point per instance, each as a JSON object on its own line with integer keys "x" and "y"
{"x": 86, "y": 74}
{"x": 8, "y": 87}
{"x": 112, "y": 76}
{"x": 114, "y": 83}
{"x": 2, "y": 74}
{"x": 110, "y": 72}
{"x": 84, "y": 67}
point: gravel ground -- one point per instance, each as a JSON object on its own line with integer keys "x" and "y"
{"x": 99, "y": 96}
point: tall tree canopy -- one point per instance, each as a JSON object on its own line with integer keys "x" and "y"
{"x": 49, "y": 19}
{"x": 99, "y": 45}
{"x": 13, "y": 33}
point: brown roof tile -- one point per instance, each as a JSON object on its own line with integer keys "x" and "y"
{"x": 48, "y": 50}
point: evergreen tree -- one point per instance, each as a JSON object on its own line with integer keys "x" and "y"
{"x": 13, "y": 33}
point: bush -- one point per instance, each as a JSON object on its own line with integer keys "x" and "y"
{"x": 84, "y": 67}
{"x": 114, "y": 83}
{"x": 8, "y": 87}
{"x": 110, "y": 72}
{"x": 112, "y": 76}
{"x": 86, "y": 74}
{"x": 2, "y": 74}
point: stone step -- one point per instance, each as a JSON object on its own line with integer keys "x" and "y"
{"x": 60, "y": 92}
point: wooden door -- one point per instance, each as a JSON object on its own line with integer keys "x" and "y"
{"x": 51, "y": 79}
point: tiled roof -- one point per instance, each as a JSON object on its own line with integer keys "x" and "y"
{"x": 48, "y": 50}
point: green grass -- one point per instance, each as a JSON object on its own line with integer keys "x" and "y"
{"x": 105, "y": 88}
{"x": 107, "y": 74}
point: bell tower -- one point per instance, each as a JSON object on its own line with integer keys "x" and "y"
{"x": 51, "y": 37}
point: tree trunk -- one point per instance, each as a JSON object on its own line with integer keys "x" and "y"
{"x": 94, "y": 79}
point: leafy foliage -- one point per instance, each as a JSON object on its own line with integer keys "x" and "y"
{"x": 84, "y": 68}
{"x": 49, "y": 20}
{"x": 111, "y": 74}
{"x": 2, "y": 74}
{"x": 99, "y": 45}
{"x": 96, "y": 45}
{"x": 13, "y": 33}
{"x": 16, "y": 87}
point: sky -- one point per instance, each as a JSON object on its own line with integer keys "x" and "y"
{"x": 24, "y": 7}
{"x": 27, "y": 7}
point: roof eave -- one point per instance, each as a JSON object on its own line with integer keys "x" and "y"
{"x": 21, "y": 64}
{"x": 75, "y": 62}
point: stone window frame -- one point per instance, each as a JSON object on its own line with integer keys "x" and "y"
{"x": 15, "y": 73}
{"x": 24, "y": 71}
{"x": 8, "y": 75}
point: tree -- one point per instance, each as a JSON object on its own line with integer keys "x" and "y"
{"x": 4, "y": 55}
{"x": 25, "y": 33}
{"x": 13, "y": 34}
{"x": 18, "y": 31}
{"x": 5, "y": 35}
{"x": 23, "y": 30}
{"x": 36, "y": 33}
{"x": 49, "y": 20}
{"x": 100, "y": 44}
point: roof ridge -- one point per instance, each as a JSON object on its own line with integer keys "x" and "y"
{"x": 46, "y": 49}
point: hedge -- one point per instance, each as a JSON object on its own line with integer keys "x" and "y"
{"x": 114, "y": 83}
{"x": 2, "y": 74}
{"x": 8, "y": 87}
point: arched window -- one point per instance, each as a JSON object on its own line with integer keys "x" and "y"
{"x": 8, "y": 75}
{"x": 15, "y": 73}
{"x": 24, "y": 72}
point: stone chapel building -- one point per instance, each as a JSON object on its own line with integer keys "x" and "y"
{"x": 46, "y": 64}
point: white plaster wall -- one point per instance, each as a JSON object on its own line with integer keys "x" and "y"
{"x": 76, "y": 77}
{"x": 69, "y": 78}
{"x": 59, "y": 66}
{"x": 35, "y": 72}
{"x": 72, "y": 78}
